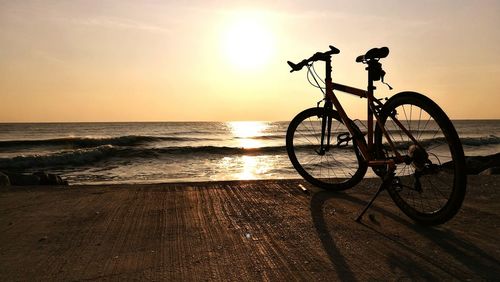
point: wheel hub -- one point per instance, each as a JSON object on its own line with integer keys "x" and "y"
{"x": 418, "y": 155}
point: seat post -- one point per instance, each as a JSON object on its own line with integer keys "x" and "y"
{"x": 369, "y": 96}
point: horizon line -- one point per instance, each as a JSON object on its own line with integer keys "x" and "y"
{"x": 200, "y": 121}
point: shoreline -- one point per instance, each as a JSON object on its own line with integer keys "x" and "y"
{"x": 231, "y": 230}
{"x": 203, "y": 183}
{"x": 475, "y": 165}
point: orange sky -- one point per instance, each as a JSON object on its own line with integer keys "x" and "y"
{"x": 165, "y": 61}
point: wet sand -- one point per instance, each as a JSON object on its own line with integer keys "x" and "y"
{"x": 241, "y": 230}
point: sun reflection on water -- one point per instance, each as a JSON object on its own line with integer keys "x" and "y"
{"x": 246, "y": 135}
{"x": 246, "y": 132}
{"x": 246, "y": 167}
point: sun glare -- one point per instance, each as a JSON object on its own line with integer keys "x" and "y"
{"x": 248, "y": 42}
{"x": 246, "y": 131}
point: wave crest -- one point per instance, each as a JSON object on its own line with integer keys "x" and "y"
{"x": 88, "y": 142}
{"x": 87, "y": 156}
{"x": 120, "y": 152}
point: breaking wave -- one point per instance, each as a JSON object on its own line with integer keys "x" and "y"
{"x": 88, "y": 142}
{"x": 88, "y": 156}
{"x": 86, "y": 151}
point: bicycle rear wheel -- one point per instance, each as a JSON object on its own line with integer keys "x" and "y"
{"x": 340, "y": 167}
{"x": 430, "y": 188}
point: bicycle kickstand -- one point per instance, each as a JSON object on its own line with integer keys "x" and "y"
{"x": 388, "y": 179}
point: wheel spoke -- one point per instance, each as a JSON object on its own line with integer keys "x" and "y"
{"x": 336, "y": 167}
{"x": 424, "y": 193}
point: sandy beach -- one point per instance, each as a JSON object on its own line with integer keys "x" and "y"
{"x": 239, "y": 230}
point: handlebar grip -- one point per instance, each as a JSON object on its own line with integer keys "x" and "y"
{"x": 293, "y": 66}
{"x": 360, "y": 58}
{"x": 334, "y": 50}
{"x": 297, "y": 67}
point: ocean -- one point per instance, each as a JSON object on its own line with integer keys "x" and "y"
{"x": 153, "y": 152}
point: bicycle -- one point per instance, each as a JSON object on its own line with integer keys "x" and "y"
{"x": 408, "y": 141}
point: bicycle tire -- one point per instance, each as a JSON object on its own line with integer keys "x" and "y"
{"x": 447, "y": 179}
{"x": 350, "y": 170}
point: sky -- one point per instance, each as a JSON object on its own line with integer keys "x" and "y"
{"x": 83, "y": 61}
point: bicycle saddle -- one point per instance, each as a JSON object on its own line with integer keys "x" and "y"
{"x": 373, "y": 54}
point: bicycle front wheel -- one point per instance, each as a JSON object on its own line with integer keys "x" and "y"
{"x": 430, "y": 187}
{"x": 338, "y": 167}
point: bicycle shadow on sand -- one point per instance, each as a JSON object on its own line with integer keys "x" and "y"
{"x": 467, "y": 258}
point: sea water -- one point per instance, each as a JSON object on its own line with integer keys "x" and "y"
{"x": 151, "y": 152}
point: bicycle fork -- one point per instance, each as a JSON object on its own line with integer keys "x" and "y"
{"x": 326, "y": 125}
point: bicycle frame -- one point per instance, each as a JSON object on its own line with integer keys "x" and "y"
{"x": 366, "y": 150}
{"x": 378, "y": 145}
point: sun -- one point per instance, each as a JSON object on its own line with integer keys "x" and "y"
{"x": 247, "y": 42}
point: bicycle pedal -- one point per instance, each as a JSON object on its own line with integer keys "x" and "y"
{"x": 343, "y": 140}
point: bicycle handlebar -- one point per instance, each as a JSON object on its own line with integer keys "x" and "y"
{"x": 318, "y": 56}
{"x": 372, "y": 54}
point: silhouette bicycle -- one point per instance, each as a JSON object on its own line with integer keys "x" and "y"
{"x": 406, "y": 141}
